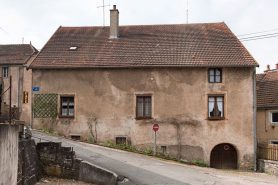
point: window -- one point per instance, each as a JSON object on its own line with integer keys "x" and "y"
{"x": 273, "y": 116}
{"x": 143, "y": 107}
{"x": 215, "y": 75}
{"x": 67, "y": 106}
{"x": 120, "y": 140}
{"x": 273, "y": 142}
{"x": 72, "y": 48}
{"x": 216, "y": 107}
{"x": 5, "y": 72}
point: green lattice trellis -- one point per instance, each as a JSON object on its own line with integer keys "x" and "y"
{"x": 45, "y": 105}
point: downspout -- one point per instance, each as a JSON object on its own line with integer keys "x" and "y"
{"x": 18, "y": 73}
{"x": 32, "y": 116}
{"x": 255, "y": 119}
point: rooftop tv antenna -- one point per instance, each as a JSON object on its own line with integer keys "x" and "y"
{"x": 103, "y": 6}
{"x": 187, "y": 13}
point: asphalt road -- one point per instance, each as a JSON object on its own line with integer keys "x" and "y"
{"x": 140, "y": 169}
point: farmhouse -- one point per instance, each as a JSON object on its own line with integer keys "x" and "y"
{"x": 13, "y": 61}
{"x": 112, "y": 83}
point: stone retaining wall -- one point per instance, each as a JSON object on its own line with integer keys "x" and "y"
{"x": 268, "y": 166}
{"x": 61, "y": 162}
{"x": 28, "y": 164}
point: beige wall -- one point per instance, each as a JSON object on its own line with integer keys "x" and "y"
{"x": 265, "y": 130}
{"x": 105, "y": 107}
{"x": 21, "y": 81}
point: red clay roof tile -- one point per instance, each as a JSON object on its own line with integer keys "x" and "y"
{"x": 183, "y": 45}
{"x": 267, "y": 89}
{"x": 15, "y": 53}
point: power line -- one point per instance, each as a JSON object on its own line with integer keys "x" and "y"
{"x": 258, "y": 38}
{"x": 256, "y": 32}
{"x": 7, "y": 33}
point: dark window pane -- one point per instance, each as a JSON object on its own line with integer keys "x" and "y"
{"x": 148, "y": 106}
{"x": 144, "y": 106}
{"x": 67, "y": 106}
{"x": 275, "y": 117}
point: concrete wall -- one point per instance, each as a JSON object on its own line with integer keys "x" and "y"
{"x": 105, "y": 108}
{"x": 265, "y": 131}
{"x": 8, "y": 154}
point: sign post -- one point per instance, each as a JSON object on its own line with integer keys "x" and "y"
{"x": 155, "y": 128}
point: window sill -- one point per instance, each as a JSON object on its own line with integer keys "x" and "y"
{"x": 139, "y": 118}
{"x": 215, "y": 118}
{"x": 66, "y": 116}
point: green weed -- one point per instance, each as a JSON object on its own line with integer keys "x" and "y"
{"x": 200, "y": 163}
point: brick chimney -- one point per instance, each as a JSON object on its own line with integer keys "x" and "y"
{"x": 276, "y": 66}
{"x": 114, "y": 23}
{"x": 268, "y": 67}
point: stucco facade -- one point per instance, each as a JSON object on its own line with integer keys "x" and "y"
{"x": 105, "y": 108}
{"x": 14, "y": 59}
{"x": 267, "y": 132}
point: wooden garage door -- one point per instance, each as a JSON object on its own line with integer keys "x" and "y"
{"x": 223, "y": 156}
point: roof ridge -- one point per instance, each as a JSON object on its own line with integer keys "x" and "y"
{"x": 141, "y": 25}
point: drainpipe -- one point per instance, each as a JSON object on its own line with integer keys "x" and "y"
{"x": 18, "y": 73}
{"x": 255, "y": 119}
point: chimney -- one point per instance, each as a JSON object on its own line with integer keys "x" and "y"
{"x": 114, "y": 23}
{"x": 268, "y": 67}
{"x": 276, "y": 66}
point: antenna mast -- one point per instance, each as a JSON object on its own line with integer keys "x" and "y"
{"x": 187, "y": 13}
{"x": 103, "y": 11}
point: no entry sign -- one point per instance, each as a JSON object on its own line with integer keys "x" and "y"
{"x": 155, "y": 127}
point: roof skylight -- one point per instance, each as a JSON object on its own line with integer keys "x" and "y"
{"x": 73, "y": 48}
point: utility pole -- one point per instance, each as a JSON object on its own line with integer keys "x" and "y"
{"x": 103, "y": 6}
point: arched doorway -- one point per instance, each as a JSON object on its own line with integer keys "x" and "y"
{"x": 223, "y": 156}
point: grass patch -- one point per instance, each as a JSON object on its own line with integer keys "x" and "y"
{"x": 200, "y": 163}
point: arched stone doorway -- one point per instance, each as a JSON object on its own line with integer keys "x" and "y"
{"x": 223, "y": 156}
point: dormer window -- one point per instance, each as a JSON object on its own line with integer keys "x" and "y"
{"x": 72, "y": 48}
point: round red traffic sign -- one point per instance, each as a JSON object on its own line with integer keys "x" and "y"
{"x": 155, "y": 127}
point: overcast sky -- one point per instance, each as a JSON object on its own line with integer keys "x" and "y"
{"x": 37, "y": 20}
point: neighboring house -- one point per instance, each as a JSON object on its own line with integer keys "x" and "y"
{"x": 267, "y": 106}
{"x": 196, "y": 81}
{"x": 13, "y": 62}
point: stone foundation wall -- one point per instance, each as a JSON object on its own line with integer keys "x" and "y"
{"x": 61, "y": 162}
{"x": 28, "y": 164}
{"x": 268, "y": 166}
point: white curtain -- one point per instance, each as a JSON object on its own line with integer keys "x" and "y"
{"x": 211, "y": 105}
{"x": 220, "y": 105}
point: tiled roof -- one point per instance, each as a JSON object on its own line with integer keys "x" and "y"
{"x": 183, "y": 45}
{"x": 15, "y": 53}
{"x": 267, "y": 89}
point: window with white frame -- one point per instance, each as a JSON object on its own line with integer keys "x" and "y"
{"x": 216, "y": 106}
{"x": 273, "y": 116}
{"x": 5, "y": 72}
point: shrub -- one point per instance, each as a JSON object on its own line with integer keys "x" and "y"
{"x": 90, "y": 140}
{"x": 110, "y": 144}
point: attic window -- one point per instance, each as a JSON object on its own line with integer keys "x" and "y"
{"x": 73, "y": 48}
